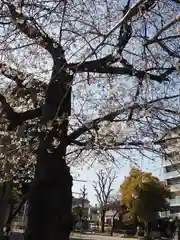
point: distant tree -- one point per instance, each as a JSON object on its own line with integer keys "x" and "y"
{"x": 83, "y": 196}
{"x": 78, "y": 211}
{"x": 145, "y": 196}
{"x": 103, "y": 190}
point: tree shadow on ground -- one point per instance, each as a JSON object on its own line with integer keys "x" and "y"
{"x": 79, "y": 238}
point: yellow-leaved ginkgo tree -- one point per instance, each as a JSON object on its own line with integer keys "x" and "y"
{"x": 144, "y": 196}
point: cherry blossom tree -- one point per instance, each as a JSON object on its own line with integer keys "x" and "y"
{"x": 83, "y": 80}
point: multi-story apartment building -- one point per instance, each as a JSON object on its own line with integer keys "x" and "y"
{"x": 171, "y": 171}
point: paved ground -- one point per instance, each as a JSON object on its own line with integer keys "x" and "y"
{"x": 19, "y": 236}
{"x": 98, "y": 237}
{"x": 16, "y": 236}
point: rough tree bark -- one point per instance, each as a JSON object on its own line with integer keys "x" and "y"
{"x": 102, "y": 220}
{"x": 49, "y": 213}
{"x": 50, "y": 201}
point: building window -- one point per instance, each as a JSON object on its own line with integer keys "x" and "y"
{"x": 171, "y": 168}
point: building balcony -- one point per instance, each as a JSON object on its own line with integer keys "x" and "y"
{"x": 173, "y": 174}
{"x": 175, "y": 187}
{"x": 175, "y": 201}
{"x": 171, "y": 162}
{"x": 164, "y": 214}
{"x": 171, "y": 150}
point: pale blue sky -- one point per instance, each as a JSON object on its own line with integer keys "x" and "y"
{"x": 89, "y": 175}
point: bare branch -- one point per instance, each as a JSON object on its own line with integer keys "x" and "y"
{"x": 103, "y": 66}
{"x": 15, "y": 118}
{"x": 164, "y": 28}
{"x": 103, "y": 186}
{"x": 12, "y": 74}
{"x": 176, "y": 1}
{"x": 6, "y": 109}
{"x": 30, "y": 28}
{"x": 133, "y": 11}
{"x": 168, "y": 50}
{"x": 111, "y": 116}
{"x": 30, "y": 89}
{"x": 125, "y": 32}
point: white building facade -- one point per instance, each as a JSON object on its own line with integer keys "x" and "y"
{"x": 171, "y": 171}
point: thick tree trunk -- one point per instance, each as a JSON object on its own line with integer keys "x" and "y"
{"x": 50, "y": 203}
{"x": 102, "y": 221}
{"x": 50, "y": 198}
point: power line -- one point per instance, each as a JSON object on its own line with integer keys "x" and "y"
{"x": 79, "y": 180}
{"x": 76, "y": 193}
